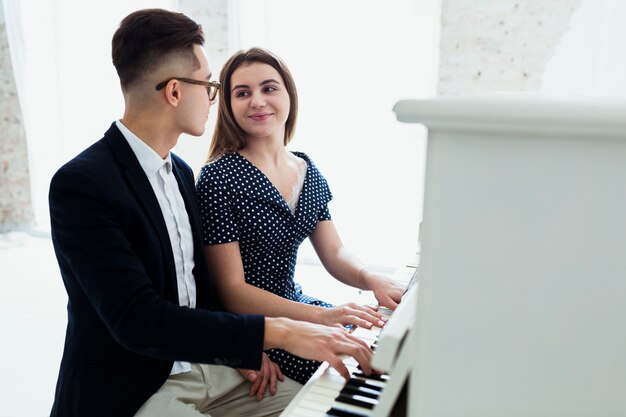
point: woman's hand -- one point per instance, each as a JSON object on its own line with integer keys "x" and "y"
{"x": 351, "y": 313}
{"x": 263, "y": 379}
{"x": 388, "y": 292}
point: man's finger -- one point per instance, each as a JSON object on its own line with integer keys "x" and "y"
{"x": 340, "y": 367}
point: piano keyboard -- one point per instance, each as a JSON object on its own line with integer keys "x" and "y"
{"x": 327, "y": 393}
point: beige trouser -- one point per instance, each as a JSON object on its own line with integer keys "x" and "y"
{"x": 211, "y": 390}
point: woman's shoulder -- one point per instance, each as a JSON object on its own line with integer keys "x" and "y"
{"x": 223, "y": 165}
{"x": 222, "y": 170}
{"x": 307, "y": 159}
{"x": 311, "y": 165}
{"x": 302, "y": 155}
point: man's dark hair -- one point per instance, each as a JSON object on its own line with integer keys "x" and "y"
{"x": 147, "y": 37}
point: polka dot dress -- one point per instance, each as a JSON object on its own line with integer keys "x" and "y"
{"x": 239, "y": 203}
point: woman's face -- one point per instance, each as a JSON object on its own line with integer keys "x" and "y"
{"x": 259, "y": 101}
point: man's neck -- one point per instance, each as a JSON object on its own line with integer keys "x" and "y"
{"x": 153, "y": 132}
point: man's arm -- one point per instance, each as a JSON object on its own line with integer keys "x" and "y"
{"x": 104, "y": 254}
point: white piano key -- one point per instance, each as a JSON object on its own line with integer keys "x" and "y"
{"x": 303, "y": 412}
{"x": 333, "y": 371}
{"x": 331, "y": 381}
{"x": 369, "y": 335}
{"x": 322, "y": 405}
{"x": 351, "y": 362}
{"x": 385, "y": 312}
{"x": 317, "y": 402}
{"x": 322, "y": 396}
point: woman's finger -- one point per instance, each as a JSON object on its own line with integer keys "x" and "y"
{"x": 263, "y": 378}
{"x": 273, "y": 378}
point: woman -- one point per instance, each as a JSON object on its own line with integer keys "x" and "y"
{"x": 259, "y": 202}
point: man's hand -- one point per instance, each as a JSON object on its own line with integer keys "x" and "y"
{"x": 265, "y": 378}
{"x": 314, "y": 341}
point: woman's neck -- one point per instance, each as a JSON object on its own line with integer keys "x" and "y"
{"x": 267, "y": 153}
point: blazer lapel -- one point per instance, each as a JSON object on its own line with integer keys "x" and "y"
{"x": 139, "y": 183}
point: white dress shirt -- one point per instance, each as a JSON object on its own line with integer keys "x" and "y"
{"x": 165, "y": 187}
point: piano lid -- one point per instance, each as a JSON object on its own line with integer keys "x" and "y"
{"x": 517, "y": 111}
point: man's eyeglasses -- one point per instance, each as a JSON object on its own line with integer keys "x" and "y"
{"x": 212, "y": 87}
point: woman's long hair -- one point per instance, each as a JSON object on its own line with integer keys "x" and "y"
{"x": 228, "y": 136}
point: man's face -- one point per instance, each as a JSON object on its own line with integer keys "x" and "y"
{"x": 193, "y": 111}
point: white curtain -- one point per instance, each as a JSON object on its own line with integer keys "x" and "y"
{"x": 352, "y": 60}
{"x": 591, "y": 58}
{"x": 68, "y": 89}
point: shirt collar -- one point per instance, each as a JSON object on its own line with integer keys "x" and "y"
{"x": 149, "y": 160}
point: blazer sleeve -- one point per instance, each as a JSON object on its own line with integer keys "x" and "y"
{"x": 103, "y": 264}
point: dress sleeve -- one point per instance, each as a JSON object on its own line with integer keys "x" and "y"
{"x": 321, "y": 192}
{"x": 324, "y": 213}
{"x": 219, "y": 219}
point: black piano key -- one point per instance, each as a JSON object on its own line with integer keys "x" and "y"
{"x": 359, "y": 402}
{"x": 340, "y": 412}
{"x": 377, "y": 377}
{"x": 362, "y": 383}
{"x": 360, "y": 390}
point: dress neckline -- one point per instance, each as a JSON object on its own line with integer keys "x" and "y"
{"x": 303, "y": 169}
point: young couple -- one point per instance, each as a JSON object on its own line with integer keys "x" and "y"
{"x": 173, "y": 304}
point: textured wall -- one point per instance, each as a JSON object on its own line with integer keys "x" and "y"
{"x": 499, "y": 45}
{"x": 15, "y": 203}
{"x": 213, "y": 16}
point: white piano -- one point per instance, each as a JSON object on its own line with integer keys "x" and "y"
{"x": 521, "y": 309}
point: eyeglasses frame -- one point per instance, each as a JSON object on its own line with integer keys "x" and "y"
{"x": 210, "y": 85}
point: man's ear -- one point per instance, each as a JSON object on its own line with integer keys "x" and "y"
{"x": 173, "y": 93}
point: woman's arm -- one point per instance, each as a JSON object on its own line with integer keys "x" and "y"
{"x": 226, "y": 267}
{"x": 347, "y": 268}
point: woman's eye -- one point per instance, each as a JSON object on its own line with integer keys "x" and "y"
{"x": 241, "y": 93}
{"x": 270, "y": 89}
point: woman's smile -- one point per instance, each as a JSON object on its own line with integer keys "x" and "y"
{"x": 259, "y": 117}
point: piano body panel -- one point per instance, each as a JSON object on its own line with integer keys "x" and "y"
{"x": 521, "y": 279}
{"x": 522, "y": 288}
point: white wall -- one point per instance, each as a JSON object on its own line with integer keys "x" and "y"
{"x": 352, "y": 60}
{"x": 591, "y": 59}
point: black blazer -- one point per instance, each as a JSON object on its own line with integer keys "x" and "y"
{"x": 125, "y": 327}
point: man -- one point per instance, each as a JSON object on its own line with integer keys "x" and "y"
{"x": 143, "y": 320}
